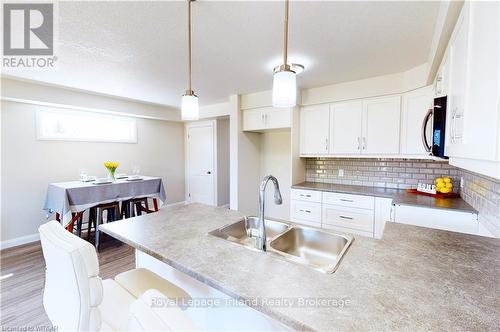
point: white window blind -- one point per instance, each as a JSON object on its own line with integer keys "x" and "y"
{"x": 69, "y": 125}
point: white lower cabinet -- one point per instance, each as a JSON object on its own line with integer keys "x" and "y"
{"x": 455, "y": 221}
{"x": 349, "y": 220}
{"x": 305, "y": 212}
{"x": 347, "y": 213}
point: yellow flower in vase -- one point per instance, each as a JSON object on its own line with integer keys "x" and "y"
{"x": 111, "y": 167}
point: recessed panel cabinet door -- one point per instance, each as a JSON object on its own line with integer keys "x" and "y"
{"x": 345, "y": 128}
{"x": 416, "y": 104}
{"x": 381, "y": 125}
{"x": 277, "y": 118}
{"x": 314, "y": 129}
{"x": 253, "y": 120}
{"x": 457, "y": 93}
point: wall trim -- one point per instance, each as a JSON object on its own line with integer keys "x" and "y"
{"x": 19, "y": 241}
{"x": 80, "y": 108}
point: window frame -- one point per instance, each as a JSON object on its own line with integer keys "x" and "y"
{"x": 96, "y": 115}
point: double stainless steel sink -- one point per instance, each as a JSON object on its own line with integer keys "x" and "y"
{"x": 318, "y": 249}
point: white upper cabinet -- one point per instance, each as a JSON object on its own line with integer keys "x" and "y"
{"x": 381, "y": 126}
{"x": 442, "y": 80}
{"x": 266, "y": 118}
{"x": 473, "y": 115}
{"x": 253, "y": 119}
{"x": 345, "y": 127}
{"x": 458, "y": 82}
{"x": 481, "y": 119}
{"x": 415, "y": 106}
{"x": 359, "y": 127}
{"x": 314, "y": 130}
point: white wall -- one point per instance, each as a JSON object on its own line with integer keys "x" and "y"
{"x": 275, "y": 160}
{"x": 223, "y": 178}
{"x": 370, "y": 87}
{"x": 28, "y": 165}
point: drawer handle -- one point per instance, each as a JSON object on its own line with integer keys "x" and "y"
{"x": 344, "y": 217}
{"x": 305, "y": 195}
{"x": 308, "y": 211}
{"x": 346, "y": 200}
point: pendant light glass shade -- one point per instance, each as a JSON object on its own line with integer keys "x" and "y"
{"x": 284, "y": 89}
{"x": 190, "y": 110}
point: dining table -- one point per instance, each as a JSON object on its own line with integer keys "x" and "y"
{"x": 70, "y": 199}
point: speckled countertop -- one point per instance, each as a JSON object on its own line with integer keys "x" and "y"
{"x": 412, "y": 279}
{"x": 399, "y": 196}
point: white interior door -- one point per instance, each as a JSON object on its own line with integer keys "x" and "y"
{"x": 201, "y": 163}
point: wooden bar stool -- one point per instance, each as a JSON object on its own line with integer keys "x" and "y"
{"x": 97, "y": 218}
{"x": 136, "y": 206}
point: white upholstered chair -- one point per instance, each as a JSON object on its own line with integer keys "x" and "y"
{"x": 76, "y": 299}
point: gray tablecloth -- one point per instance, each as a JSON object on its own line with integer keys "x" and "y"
{"x": 76, "y": 196}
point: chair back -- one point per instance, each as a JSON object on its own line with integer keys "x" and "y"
{"x": 73, "y": 288}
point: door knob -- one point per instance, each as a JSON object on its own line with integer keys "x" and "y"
{"x": 208, "y": 172}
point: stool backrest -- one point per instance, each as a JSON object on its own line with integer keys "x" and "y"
{"x": 73, "y": 288}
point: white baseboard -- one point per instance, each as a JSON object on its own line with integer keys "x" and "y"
{"x": 18, "y": 241}
{"x": 175, "y": 204}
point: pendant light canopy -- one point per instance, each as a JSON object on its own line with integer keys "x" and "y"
{"x": 284, "y": 80}
{"x": 190, "y": 109}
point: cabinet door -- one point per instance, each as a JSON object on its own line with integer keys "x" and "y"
{"x": 416, "y": 104}
{"x": 314, "y": 129}
{"x": 253, "y": 120}
{"x": 345, "y": 127}
{"x": 277, "y": 118}
{"x": 381, "y": 122}
{"x": 481, "y": 116}
{"x": 458, "y": 82}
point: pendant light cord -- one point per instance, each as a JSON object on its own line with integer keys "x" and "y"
{"x": 189, "y": 46}
{"x": 285, "y": 35}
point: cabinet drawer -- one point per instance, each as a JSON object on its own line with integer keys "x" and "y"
{"x": 351, "y": 218}
{"x": 348, "y": 200}
{"x": 306, "y": 195}
{"x": 309, "y": 211}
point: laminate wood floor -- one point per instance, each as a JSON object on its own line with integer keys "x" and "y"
{"x": 22, "y": 271}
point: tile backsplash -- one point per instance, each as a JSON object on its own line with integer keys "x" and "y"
{"x": 481, "y": 192}
{"x": 383, "y": 172}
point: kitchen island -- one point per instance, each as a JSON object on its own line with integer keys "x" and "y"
{"x": 412, "y": 279}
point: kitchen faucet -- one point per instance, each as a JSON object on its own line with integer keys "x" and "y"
{"x": 260, "y": 241}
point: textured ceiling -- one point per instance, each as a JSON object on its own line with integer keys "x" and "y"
{"x": 138, "y": 49}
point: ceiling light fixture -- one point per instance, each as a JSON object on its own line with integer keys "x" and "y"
{"x": 284, "y": 78}
{"x": 189, "y": 109}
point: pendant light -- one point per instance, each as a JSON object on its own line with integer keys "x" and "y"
{"x": 190, "y": 108}
{"x": 284, "y": 80}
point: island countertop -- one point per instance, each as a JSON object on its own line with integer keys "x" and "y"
{"x": 412, "y": 279}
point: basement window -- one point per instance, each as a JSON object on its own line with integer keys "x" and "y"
{"x": 69, "y": 125}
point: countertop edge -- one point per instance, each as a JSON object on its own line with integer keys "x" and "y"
{"x": 394, "y": 198}
{"x": 294, "y": 324}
